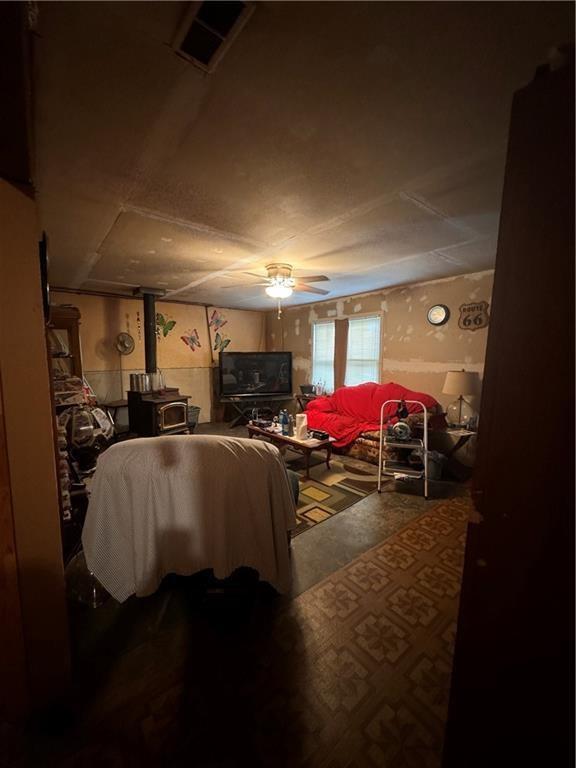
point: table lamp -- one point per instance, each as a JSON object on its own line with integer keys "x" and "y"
{"x": 460, "y": 412}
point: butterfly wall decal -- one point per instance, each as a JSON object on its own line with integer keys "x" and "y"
{"x": 220, "y": 343}
{"x": 217, "y": 320}
{"x": 163, "y": 326}
{"x": 192, "y": 339}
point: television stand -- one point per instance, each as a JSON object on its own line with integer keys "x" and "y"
{"x": 245, "y": 405}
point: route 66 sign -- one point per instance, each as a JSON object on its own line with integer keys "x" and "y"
{"x": 473, "y": 316}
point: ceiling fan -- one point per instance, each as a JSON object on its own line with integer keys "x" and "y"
{"x": 280, "y": 284}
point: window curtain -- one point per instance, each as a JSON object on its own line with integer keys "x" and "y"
{"x": 340, "y": 351}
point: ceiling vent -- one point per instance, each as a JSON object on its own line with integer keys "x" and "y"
{"x": 208, "y": 30}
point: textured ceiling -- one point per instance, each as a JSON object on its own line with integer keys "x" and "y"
{"x": 363, "y": 141}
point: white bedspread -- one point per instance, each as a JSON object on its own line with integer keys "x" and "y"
{"x": 182, "y": 503}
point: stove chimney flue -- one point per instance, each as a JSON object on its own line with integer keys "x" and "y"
{"x": 149, "y": 297}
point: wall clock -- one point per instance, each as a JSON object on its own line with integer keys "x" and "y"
{"x": 438, "y": 314}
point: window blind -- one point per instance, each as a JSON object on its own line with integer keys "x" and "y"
{"x": 363, "y": 357}
{"x": 323, "y": 355}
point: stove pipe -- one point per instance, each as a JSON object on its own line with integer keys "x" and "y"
{"x": 150, "y": 332}
{"x": 149, "y": 297}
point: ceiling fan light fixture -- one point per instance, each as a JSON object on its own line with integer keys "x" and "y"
{"x": 279, "y": 290}
{"x": 281, "y": 284}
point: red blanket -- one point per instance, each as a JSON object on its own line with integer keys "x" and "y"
{"x": 353, "y": 410}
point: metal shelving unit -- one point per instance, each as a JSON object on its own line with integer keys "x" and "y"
{"x": 397, "y": 468}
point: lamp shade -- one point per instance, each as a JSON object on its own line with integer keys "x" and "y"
{"x": 461, "y": 383}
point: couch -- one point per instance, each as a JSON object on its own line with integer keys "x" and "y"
{"x": 352, "y": 416}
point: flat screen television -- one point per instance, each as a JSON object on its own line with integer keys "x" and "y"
{"x": 255, "y": 374}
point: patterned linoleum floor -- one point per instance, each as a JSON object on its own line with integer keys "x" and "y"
{"x": 353, "y": 672}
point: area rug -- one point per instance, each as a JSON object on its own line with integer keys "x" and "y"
{"x": 329, "y": 491}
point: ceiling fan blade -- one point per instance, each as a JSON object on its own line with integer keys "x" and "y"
{"x": 242, "y": 285}
{"x": 255, "y": 274}
{"x": 313, "y": 278}
{"x": 303, "y": 288}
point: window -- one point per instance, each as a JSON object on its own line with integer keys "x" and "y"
{"x": 323, "y": 355}
{"x": 363, "y": 355}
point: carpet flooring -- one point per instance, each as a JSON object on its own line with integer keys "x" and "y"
{"x": 329, "y": 491}
{"x": 352, "y": 673}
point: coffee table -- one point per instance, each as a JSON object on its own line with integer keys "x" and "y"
{"x": 303, "y": 446}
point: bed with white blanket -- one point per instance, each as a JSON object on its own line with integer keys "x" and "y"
{"x": 183, "y": 503}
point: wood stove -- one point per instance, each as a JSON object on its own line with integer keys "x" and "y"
{"x": 160, "y": 412}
